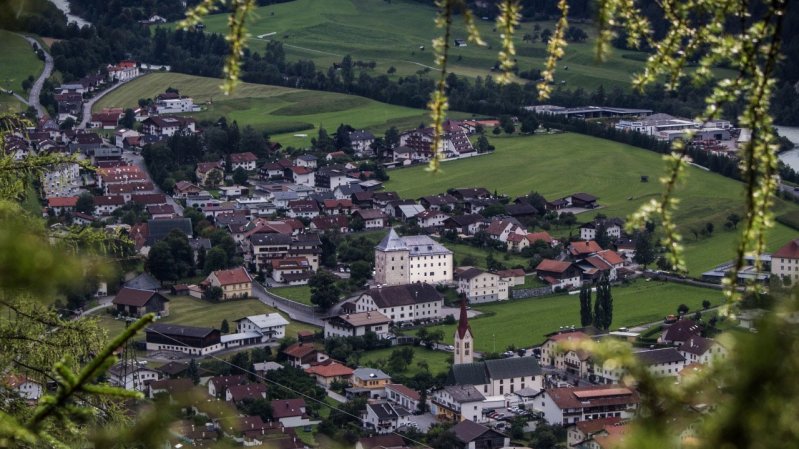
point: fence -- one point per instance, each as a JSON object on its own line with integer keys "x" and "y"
{"x": 530, "y": 292}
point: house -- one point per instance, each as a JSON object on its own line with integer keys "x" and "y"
{"x": 303, "y": 355}
{"x": 124, "y": 71}
{"x": 361, "y": 142}
{"x": 132, "y": 376}
{"x": 106, "y": 119}
{"x": 513, "y": 276}
{"x": 581, "y": 249}
{"x": 185, "y": 339}
{"x": 388, "y": 441}
{"x": 335, "y": 155}
{"x": 401, "y": 303}
{"x": 407, "y": 212}
{"x": 244, "y": 160}
{"x": 499, "y": 376}
{"x": 235, "y": 282}
{"x": 330, "y": 178}
{"x": 290, "y": 412}
{"x": 107, "y": 204}
{"x": 369, "y": 382}
{"x": 306, "y": 160}
{"x": 328, "y": 372}
{"x": 219, "y": 384}
{"x": 271, "y": 326}
{"x": 173, "y": 103}
{"x": 168, "y": 125}
{"x": 613, "y": 228}
{"x": 481, "y": 286}
{"x": 521, "y": 211}
{"x": 437, "y": 202}
{"x": 457, "y": 403}
{"x": 472, "y": 435}
{"x": 411, "y": 155}
{"x": 403, "y": 396}
{"x": 292, "y": 270}
{"x": 431, "y": 219}
{"x": 204, "y": 169}
{"x": 271, "y": 170}
{"x": 246, "y": 392}
{"x": 661, "y": 362}
{"x": 411, "y": 259}
{"x": 468, "y": 224}
{"x": 61, "y": 204}
{"x": 306, "y": 208}
{"x": 25, "y": 387}
{"x": 170, "y": 387}
{"x": 357, "y": 324}
{"x": 346, "y": 191}
{"x": 680, "y": 332}
{"x": 501, "y": 229}
{"x": 301, "y": 175}
{"x": 605, "y": 263}
{"x": 559, "y": 274}
{"x": 785, "y": 261}
{"x": 570, "y": 405}
{"x": 384, "y": 417}
{"x": 583, "y": 200}
{"x": 372, "y": 218}
{"x": 554, "y": 351}
{"x": 702, "y": 350}
{"x": 135, "y": 302}
{"x": 336, "y": 223}
{"x": 583, "y": 431}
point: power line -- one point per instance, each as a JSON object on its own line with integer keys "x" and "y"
{"x": 324, "y": 404}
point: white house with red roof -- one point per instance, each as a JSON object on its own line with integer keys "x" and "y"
{"x": 25, "y": 387}
{"x": 235, "y": 282}
{"x": 562, "y": 406}
{"x": 244, "y": 160}
{"x": 124, "y": 71}
{"x": 61, "y": 204}
{"x": 559, "y": 274}
{"x": 328, "y": 372}
{"x": 785, "y": 261}
{"x": 403, "y": 396}
{"x": 290, "y": 412}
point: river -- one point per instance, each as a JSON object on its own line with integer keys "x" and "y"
{"x": 791, "y": 157}
{"x": 63, "y": 5}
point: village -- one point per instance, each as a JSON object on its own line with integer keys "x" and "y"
{"x": 254, "y": 224}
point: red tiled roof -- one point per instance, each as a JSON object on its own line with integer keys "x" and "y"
{"x": 789, "y": 251}
{"x": 299, "y": 350}
{"x": 511, "y": 273}
{"x": 584, "y": 247}
{"x": 569, "y": 336}
{"x": 284, "y": 408}
{"x": 554, "y": 266}
{"x": 592, "y": 396}
{"x": 301, "y": 170}
{"x": 611, "y": 257}
{"x": 205, "y": 167}
{"x": 333, "y": 369}
{"x": 109, "y": 200}
{"x": 236, "y": 275}
{"x": 62, "y": 201}
{"x": 134, "y": 297}
{"x": 239, "y": 158}
{"x": 403, "y": 390}
{"x": 535, "y": 236}
{"x": 595, "y": 425}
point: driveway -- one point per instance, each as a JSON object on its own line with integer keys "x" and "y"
{"x": 36, "y": 90}
{"x": 88, "y": 104}
{"x": 138, "y": 160}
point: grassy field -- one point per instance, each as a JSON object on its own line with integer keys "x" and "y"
{"x": 437, "y": 361}
{"x": 17, "y": 62}
{"x": 189, "y": 311}
{"x": 281, "y": 111}
{"x": 479, "y": 254}
{"x": 561, "y": 164}
{"x": 326, "y": 30}
{"x": 525, "y": 322}
{"x": 299, "y": 293}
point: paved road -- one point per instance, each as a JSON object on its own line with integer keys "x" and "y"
{"x": 102, "y": 303}
{"x": 33, "y": 99}
{"x": 297, "y": 314}
{"x": 21, "y": 98}
{"x": 138, "y": 160}
{"x": 87, "y": 106}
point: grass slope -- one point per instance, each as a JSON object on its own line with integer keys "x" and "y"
{"x": 326, "y": 30}
{"x": 525, "y": 322}
{"x": 280, "y": 111}
{"x": 437, "y": 361}
{"x": 17, "y": 62}
{"x": 188, "y": 311}
{"x": 299, "y": 293}
{"x": 558, "y": 165}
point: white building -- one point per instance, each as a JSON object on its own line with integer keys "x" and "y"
{"x": 131, "y": 376}
{"x": 785, "y": 262}
{"x": 385, "y": 417}
{"x": 457, "y": 402}
{"x": 62, "y": 180}
{"x": 563, "y": 406}
{"x": 482, "y": 286}
{"x": 362, "y": 142}
{"x": 613, "y": 228}
{"x": 403, "y": 303}
{"x": 403, "y": 260}
{"x": 175, "y": 105}
{"x": 25, "y": 387}
{"x": 271, "y": 326}
{"x": 357, "y": 324}
{"x": 124, "y": 71}
{"x": 500, "y": 376}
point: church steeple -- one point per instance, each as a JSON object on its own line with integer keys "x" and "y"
{"x": 464, "y": 340}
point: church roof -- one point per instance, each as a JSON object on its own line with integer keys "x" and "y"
{"x": 463, "y": 321}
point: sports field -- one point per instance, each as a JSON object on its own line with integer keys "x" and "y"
{"x": 17, "y": 62}
{"x": 524, "y": 322}
{"x": 562, "y": 164}
{"x": 283, "y": 112}
{"x": 392, "y": 34}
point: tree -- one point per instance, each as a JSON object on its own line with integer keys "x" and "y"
{"x": 214, "y": 178}
{"x": 240, "y": 176}
{"x": 357, "y": 224}
{"x": 682, "y": 309}
{"x": 507, "y": 125}
{"x": 706, "y": 304}
{"x": 214, "y": 294}
{"x": 252, "y": 141}
{"x": 483, "y": 145}
{"x": 325, "y": 292}
{"x": 607, "y": 300}
{"x": 602, "y": 237}
{"x": 734, "y": 219}
{"x": 193, "y": 372}
{"x": 224, "y": 327}
{"x": 586, "y": 317}
{"x": 529, "y": 124}
{"x": 392, "y": 138}
{"x": 85, "y": 203}
{"x": 709, "y": 228}
{"x": 644, "y": 249}
{"x": 546, "y": 35}
{"x": 128, "y": 119}
{"x": 160, "y": 262}
{"x": 360, "y": 272}
{"x": 215, "y": 259}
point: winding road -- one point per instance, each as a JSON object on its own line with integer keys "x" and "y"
{"x": 36, "y": 90}
{"x": 88, "y": 104}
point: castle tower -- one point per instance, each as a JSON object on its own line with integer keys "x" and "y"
{"x": 392, "y": 260}
{"x": 464, "y": 340}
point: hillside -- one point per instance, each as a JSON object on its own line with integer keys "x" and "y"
{"x": 17, "y": 62}
{"x": 559, "y": 165}
{"x": 281, "y": 111}
{"x": 326, "y": 30}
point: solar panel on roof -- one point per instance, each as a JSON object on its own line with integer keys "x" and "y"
{"x": 601, "y": 393}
